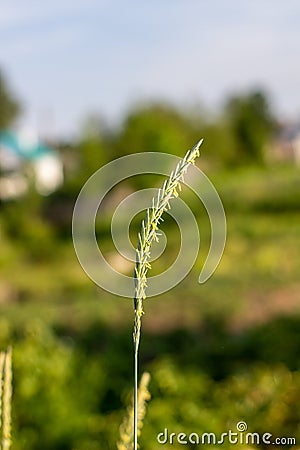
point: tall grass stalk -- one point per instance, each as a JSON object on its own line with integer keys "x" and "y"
{"x": 5, "y": 398}
{"x": 148, "y": 234}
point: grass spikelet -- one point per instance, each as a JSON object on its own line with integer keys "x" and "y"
{"x": 5, "y": 398}
{"x": 2, "y": 364}
{"x": 148, "y": 234}
{"x": 126, "y": 429}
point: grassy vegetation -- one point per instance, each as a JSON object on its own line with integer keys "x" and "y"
{"x": 219, "y": 353}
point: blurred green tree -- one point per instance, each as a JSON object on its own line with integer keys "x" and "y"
{"x": 155, "y": 127}
{"x": 9, "y": 106}
{"x": 92, "y": 150}
{"x": 251, "y": 123}
{"x": 85, "y": 155}
{"x": 219, "y": 143}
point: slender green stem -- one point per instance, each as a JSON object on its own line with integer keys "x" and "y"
{"x": 135, "y": 401}
{"x": 147, "y": 235}
{"x": 126, "y": 429}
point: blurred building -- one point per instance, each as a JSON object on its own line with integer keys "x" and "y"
{"x": 25, "y": 161}
{"x": 287, "y": 144}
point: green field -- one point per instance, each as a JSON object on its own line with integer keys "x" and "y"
{"x": 218, "y": 353}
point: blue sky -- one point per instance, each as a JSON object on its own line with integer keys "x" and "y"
{"x": 66, "y": 59}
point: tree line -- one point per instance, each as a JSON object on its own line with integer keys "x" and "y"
{"x": 237, "y": 135}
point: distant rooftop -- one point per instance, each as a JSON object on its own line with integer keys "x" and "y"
{"x": 22, "y": 146}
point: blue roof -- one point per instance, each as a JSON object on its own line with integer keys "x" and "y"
{"x": 10, "y": 141}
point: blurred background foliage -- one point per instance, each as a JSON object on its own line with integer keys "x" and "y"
{"x": 219, "y": 353}
{"x": 9, "y": 105}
